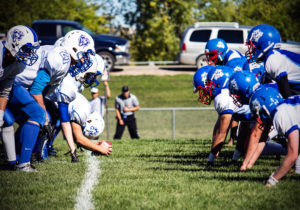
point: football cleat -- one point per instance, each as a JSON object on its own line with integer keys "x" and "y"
{"x": 26, "y": 167}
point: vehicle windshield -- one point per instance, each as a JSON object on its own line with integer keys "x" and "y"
{"x": 88, "y": 31}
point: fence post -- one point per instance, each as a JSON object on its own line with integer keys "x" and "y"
{"x": 173, "y": 123}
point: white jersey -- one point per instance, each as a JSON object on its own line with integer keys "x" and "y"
{"x": 54, "y": 59}
{"x": 67, "y": 90}
{"x": 280, "y": 63}
{"x": 287, "y": 116}
{"x": 223, "y": 103}
{"x": 7, "y": 74}
{"x": 97, "y": 104}
{"x": 79, "y": 109}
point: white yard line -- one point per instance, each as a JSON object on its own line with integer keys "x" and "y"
{"x": 84, "y": 199}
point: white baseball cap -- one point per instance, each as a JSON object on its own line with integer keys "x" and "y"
{"x": 94, "y": 90}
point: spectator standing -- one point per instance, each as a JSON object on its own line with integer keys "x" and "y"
{"x": 98, "y": 102}
{"x": 125, "y": 105}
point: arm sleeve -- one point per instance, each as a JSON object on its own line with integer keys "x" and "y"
{"x": 40, "y": 82}
{"x": 63, "y": 111}
{"x": 284, "y": 87}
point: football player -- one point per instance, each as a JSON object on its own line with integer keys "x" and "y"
{"x": 217, "y": 53}
{"x": 212, "y": 83}
{"x": 282, "y": 66}
{"x": 271, "y": 108}
{"x": 67, "y": 92}
{"x": 20, "y": 47}
{"x": 87, "y": 125}
{"x": 39, "y": 80}
{"x": 241, "y": 86}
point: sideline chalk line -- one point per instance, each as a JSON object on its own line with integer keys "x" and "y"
{"x": 84, "y": 198}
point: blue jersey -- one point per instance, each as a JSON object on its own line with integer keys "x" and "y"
{"x": 235, "y": 60}
{"x": 279, "y": 63}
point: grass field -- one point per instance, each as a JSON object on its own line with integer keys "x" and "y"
{"x": 154, "y": 91}
{"x": 151, "y": 174}
{"x": 162, "y": 91}
{"x": 154, "y": 172}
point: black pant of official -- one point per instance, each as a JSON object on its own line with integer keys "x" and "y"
{"x": 130, "y": 122}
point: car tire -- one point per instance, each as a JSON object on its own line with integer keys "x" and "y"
{"x": 201, "y": 61}
{"x": 108, "y": 59}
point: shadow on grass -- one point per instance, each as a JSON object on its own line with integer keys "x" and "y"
{"x": 179, "y": 68}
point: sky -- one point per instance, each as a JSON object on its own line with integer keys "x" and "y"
{"x": 113, "y": 7}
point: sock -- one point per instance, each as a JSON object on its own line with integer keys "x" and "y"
{"x": 28, "y": 136}
{"x": 36, "y": 146}
{"x": 297, "y": 165}
{"x": 273, "y": 148}
{"x": 8, "y": 136}
{"x": 236, "y": 155}
{"x": 211, "y": 157}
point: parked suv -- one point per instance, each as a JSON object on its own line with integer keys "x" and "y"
{"x": 113, "y": 49}
{"x": 194, "y": 39}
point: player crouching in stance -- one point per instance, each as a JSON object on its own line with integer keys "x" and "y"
{"x": 87, "y": 125}
{"x": 19, "y": 48}
{"x": 271, "y": 108}
{"x": 242, "y": 85}
{"x": 212, "y": 83}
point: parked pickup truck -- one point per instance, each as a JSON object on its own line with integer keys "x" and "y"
{"x": 195, "y": 37}
{"x": 113, "y": 49}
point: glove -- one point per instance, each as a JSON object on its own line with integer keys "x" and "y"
{"x": 1, "y": 118}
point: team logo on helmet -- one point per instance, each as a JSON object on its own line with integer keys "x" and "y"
{"x": 256, "y": 106}
{"x": 17, "y": 35}
{"x": 203, "y": 77}
{"x": 233, "y": 85}
{"x": 83, "y": 41}
{"x": 256, "y": 35}
{"x": 93, "y": 131}
{"x": 220, "y": 45}
{"x": 218, "y": 73}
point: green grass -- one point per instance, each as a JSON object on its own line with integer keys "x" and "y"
{"x": 53, "y": 187}
{"x": 166, "y": 174}
{"x": 151, "y": 174}
{"x": 154, "y": 91}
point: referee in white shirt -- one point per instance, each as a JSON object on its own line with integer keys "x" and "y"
{"x": 125, "y": 105}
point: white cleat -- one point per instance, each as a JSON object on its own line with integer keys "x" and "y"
{"x": 26, "y": 167}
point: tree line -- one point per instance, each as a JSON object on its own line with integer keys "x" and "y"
{"x": 159, "y": 23}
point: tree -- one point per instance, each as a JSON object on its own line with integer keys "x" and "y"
{"x": 158, "y": 27}
{"x": 15, "y": 12}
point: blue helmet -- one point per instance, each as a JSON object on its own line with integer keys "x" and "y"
{"x": 263, "y": 103}
{"x": 217, "y": 79}
{"x": 199, "y": 83}
{"x": 215, "y": 50}
{"x": 261, "y": 39}
{"x": 256, "y": 68}
{"x": 241, "y": 86}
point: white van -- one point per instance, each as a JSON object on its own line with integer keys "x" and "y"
{"x": 194, "y": 39}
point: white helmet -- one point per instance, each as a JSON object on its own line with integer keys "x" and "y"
{"x": 59, "y": 42}
{"x": 89, "y": 77}
{"x": 22, "y": 43}
{"x": 93, "y": 126}
{"x": 80, "y": 45}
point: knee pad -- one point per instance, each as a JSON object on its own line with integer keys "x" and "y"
{"x": 36, "y": 113}
{"x": 8, "y": 117}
